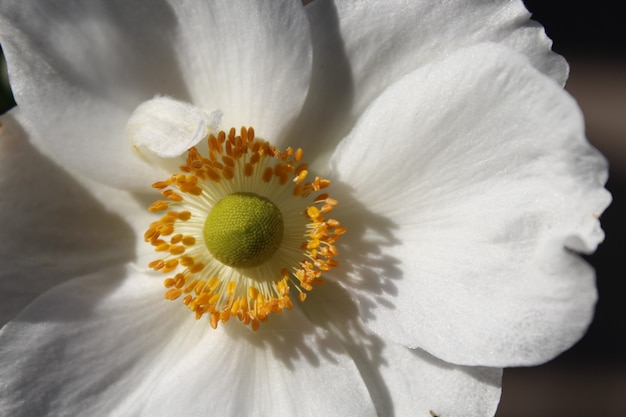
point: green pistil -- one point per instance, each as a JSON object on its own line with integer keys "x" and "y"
{"x": 243, "y": 230}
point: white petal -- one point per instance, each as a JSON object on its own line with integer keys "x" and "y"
{"x": 110, "y": 345}
{"x": 168, "y": 128}
{"x": 404, "y": 382}
{"x": 361, "y": 48}
{"x": 79, "y": 71}
{"x": 252, "y": 60}
{"x": 288, "y": 368}
{"x": 473, "y": 180}
{"x": 54, "y": 228}
{"x": 86, "y": 347}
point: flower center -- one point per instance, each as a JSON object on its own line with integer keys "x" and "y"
{"x": 243, "y": 230}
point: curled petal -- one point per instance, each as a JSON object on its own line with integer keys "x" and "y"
{"x": 168, "y": 128}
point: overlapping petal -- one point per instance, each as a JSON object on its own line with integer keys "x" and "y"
{"x": 402, "y": 381}
{"x": 108, "y": 344}
{"x": 479, "y": 165}
{"x": 467, "y": 186}
{"x": 102, "y": 59}
{"x": 361, "y": 49}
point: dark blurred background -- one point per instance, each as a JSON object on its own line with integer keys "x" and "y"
{"x": 6, "y": 99}
{"x": 590, "y": 379}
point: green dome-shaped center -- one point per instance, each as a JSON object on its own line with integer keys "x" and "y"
{"x": 243, "y": 230}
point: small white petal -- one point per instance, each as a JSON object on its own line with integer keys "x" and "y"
{"x": 168, "y": 127}
{"x": 110, "y": 345}
{"x": 473, "y": 181}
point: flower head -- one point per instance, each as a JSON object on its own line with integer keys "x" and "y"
{"x": 247, "y": 230}
{"x": 262, "y": 208}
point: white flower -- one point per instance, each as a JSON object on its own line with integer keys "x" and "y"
{"x": 459, "y": 165}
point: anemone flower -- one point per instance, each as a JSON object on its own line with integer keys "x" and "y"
{"x": 180, "y": 178}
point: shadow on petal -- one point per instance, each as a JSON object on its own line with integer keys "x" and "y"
{"x": 326, "y": 114}
{"x": 400, "y": 381}
{"x": 486, "y": 375}
{"x": 332, "y": 325}
{"x": 332, "y": 308}
{"x": 102, "y": 47}
{"x": 53, "y": 229}
{"x": 364, "y": 266}
{"x": 290, "y": 337}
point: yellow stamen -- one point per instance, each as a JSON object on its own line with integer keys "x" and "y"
{"x": 242, "y": 163}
